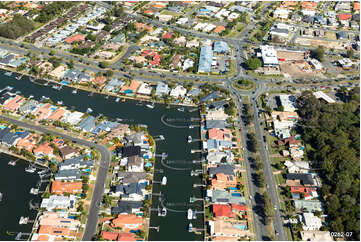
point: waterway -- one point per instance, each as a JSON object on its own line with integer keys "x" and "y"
{"x": 179, "y": 188}
{"x": 15, "y": 185}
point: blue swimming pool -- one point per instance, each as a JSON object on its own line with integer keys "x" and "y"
{"x": 240, "y": 226}
{"x": 64, "y": 82}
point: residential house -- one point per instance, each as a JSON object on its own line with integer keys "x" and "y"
{"x": 128, "y": 222}
{"x": 223, "y": 181}
{"x": 314, "y": 235}
{"x": 222, "y": 210}
{"x": 68, "y": 152}
{"x": 135, "y": 164}
{"x": 88, "y": 124}
{"x": 220, "y": 134}
{"x": 13, "y": 103}
{"x": 225, "y": 197}
{"x": 60, "y": 187}
{"x": 225, "y": 228}
{"x": 28, "y": 143}
{"x": 178, "y": 92}
{"x": 57, "y": 115}
{"x": 311, "y": 222}
{"x": 68, "y": 175}
{"x": 118, "y": 236}
{"x": 162, "y": 89}
{"x": 59, "y": 202}
{"x": 131, "y": 89}
{"x": 75, "y": 163}
{"x": 308, "y": 205}
{"x": 127, "y": 207}
{"x": 58, "y": 220}
{"x": 219, "y": 124}
{"x": 44, "y": 150}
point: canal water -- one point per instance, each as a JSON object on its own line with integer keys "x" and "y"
{"x": 176, "y": 167}
{"x": 15, "y": 185}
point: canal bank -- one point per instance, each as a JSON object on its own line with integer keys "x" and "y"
{"x": 179, "y": 188}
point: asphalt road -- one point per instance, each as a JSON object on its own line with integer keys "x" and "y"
{"x": 97, "y": 197}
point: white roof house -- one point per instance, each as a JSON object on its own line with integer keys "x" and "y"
{"x": 144, "y": 89}
{"x": 188, "y": 63}
{"x": 73, "y": 118}
{"x": 311, "y": 222}
{"x": 324, "y": 96}
{"x": 288, "y": 102}
{"x": 269, "y": 55}
{"x": 316, "y": 64}
{"x": 178, "y": 91}
{"x": 281, "y": 13}
{"x": 182, "y": 21}
{"x": 55, "y": 201}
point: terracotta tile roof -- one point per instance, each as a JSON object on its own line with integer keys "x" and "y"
{"x": 109, "y": 235}
{"x": 60, "y": 187}
{"x": 219, "y": 29}
{"x": 128, "y": 222}
{"x": 356, "y": 6}
{"x": 75, "y": 38}
{"x": 344, "y": 16}
{"x": 43, "y": 111}
{"x": 132, "y": 86}
{"x": 45, "y": 149}
{"x": 99, "y": 80}
{"x": 167, "y": 35}
{"x": 14, "y": 103}
{"x": 309, "y": 5}
{"x": 27, "y": 143}
{"x": 221, "y": 210}
{"x": 43, "y": 237}
{"x": 57, "y": 114}
{"x": 50, "y": 230}
{"x": 126, "y": 237}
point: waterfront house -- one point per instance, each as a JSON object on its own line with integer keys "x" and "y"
{"x": 51, "y": 233}
{"x": 130, "y": 89}
{"x": 43, "y": 111}
{"x": 28, "y": 106}
{"x": 132, "y": 177}
{"x": 58, "y": 114}
{"x": 162, "y": 89}
{"x": 9, "y": 138}
{"x": 28, "y": 143}
{"x": 221, "y": 168}
{"x": 210, "y": 97}
{"x": 13, "y": 103}
{"x": 220, "y": 134}
{"x": 194, "y": 92}
{"x": 99, "y": 81}
{"x": 178, "y": 92}
{"x": 138, "y": 139}
{"x": 58, "y": 72}
{"x": 104, "y": 126}
{"x": 59, "y": 202}
{"x": 220, "y": 156}
{"x": 228, "y": 228}
{"x": 219, "y": 124}
{"x": 144, "y": 89}
{"x": 128, "y": 151}
{"x": 217, "y": 105}
{"x": 68, "y": 152}
{"x": 114, "y": 84}
{"x": 68, "y": 175}
{"x": 217, "y": 145}
{"x": 225, "y": 197}
{"x": 134, "y": 192}
{"x": 216, "y": 115}
{"x": 58, "y": 220}
{"x": 120, "y": 131}
{"x": 44, "y": 150}
{"x": 223, "y": 181}
{"x": 135, "y": 164}
{"x": 128, "y": 222}
{"x": 127, "y": 207}
{"x": 73, "y": 118}
{"x": 222, "y": 210}
{"x": 88, "y": 124}
{"x": 76, "y": 76}
{"x": 118, "y": 236}
{"x": 60, "y": 187}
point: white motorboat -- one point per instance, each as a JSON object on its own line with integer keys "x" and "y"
{"x": 60, "y": 102}
{"x": 23, "y": 220}
{"x": 189, "y": 139}
{"x": 181, "y": 109}
{"x": 191, "y": 126}
{"x": 89, "y": 110}
{"x": 74, "y": 91}
{"x": 117, "y": 100}
{"x": 30, "y": 169}
{"x": 1, "y": 196}
{"x": 9, "y": 73}
{"x": 56, "y": 87}
{"x": 164, "y": 212}
{"x": 12, "y": 163}
{"x": 190, "y": 214}
{"x": 151, "y": 106}
{"x": 164, "y": 180}
{"x": 34, "y": 191}
{"x": 190, "y": 227}
{"x": 31, "y": 96}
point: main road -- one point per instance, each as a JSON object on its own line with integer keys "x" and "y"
{"x": 92, "y": 220}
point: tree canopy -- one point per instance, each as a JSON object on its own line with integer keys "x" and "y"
{"x": 318, "y": 53}
{"x": 49, "y": 11}
{"x": 253, "y": 63}
{"x": 332, "y": 136}
{"x": 17, "y": 27}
